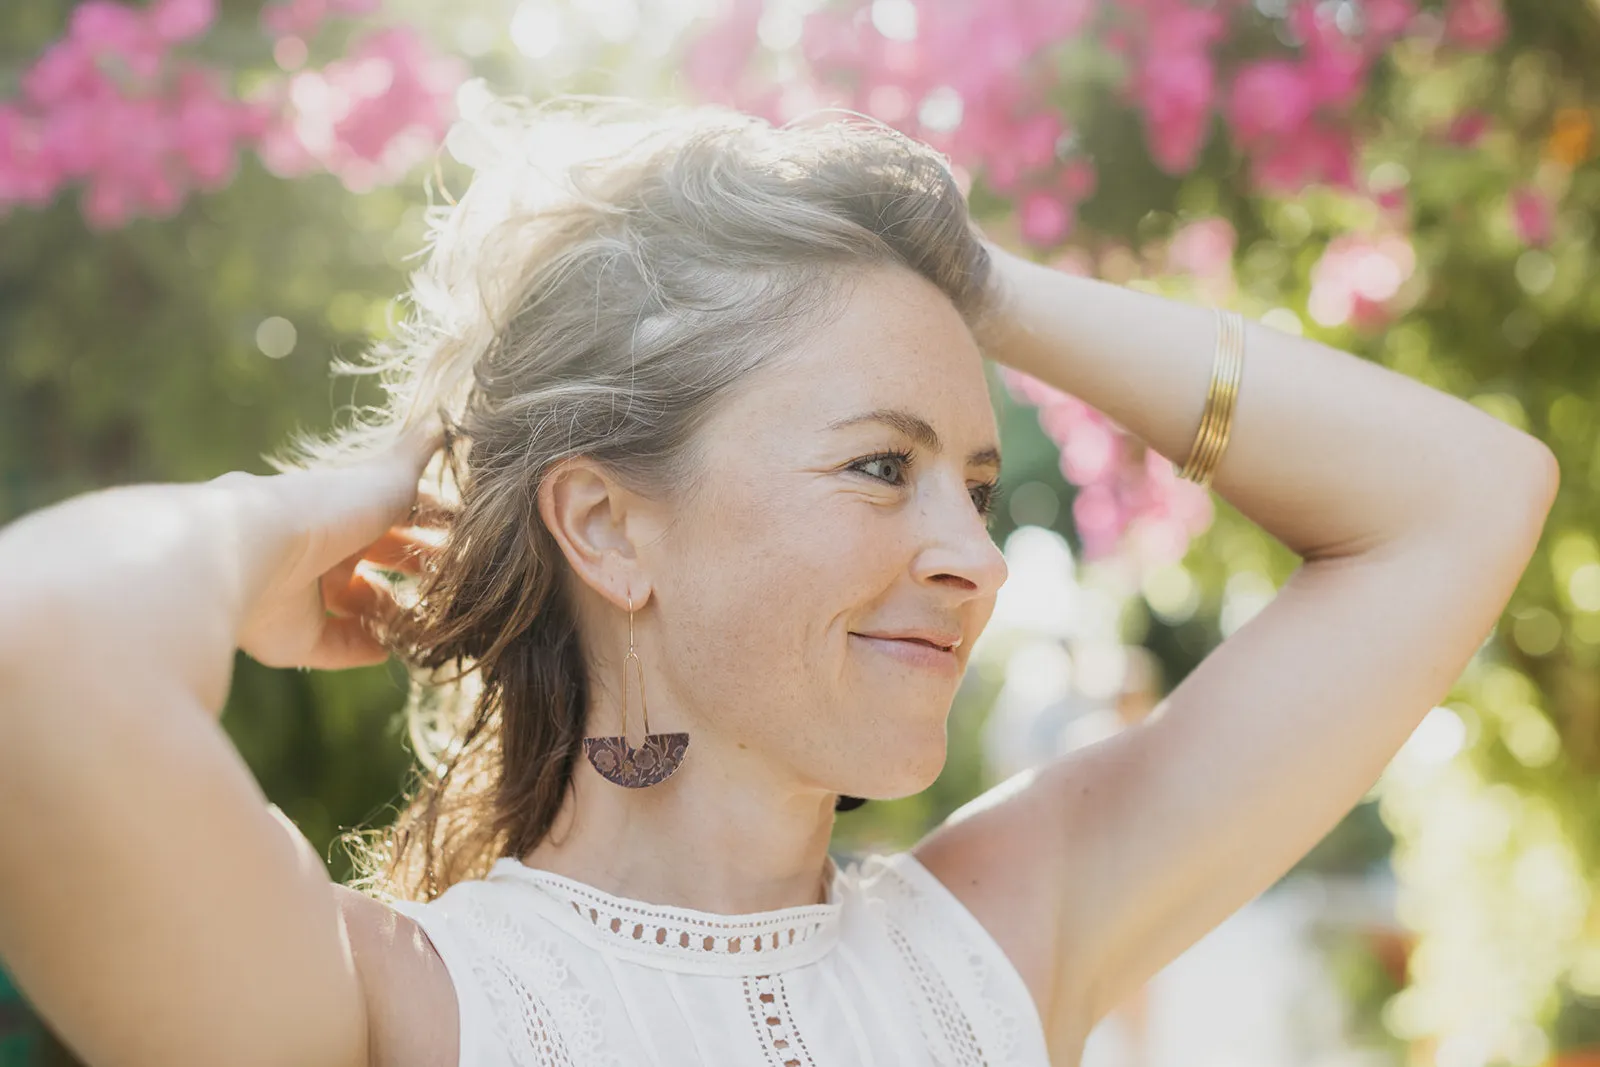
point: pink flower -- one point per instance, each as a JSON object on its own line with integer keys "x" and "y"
{"x": 1204, "y": 248}
{"x": 26, "y": 175}
{"x": 1272, "y": 98}
{"x": 1468, "y": 128}
{"x": 1031, "y": 390}
{"x": 205, "y": 130}
{"x": 717, "y": 60}
{"x": 994, "y": 44}
{"x": 1129, "y": 496}
{"x": 1387, "y": 19}
{"x": 1311, "y": 155}
{"x": 1044, "y": 220}
{"x": 107, "y": 205}
{"x": 830, "y": 39}
{"x": 1357, "y": 279}
{"x": 1337, "y": 76}
{"x": 1078, "y": 180}
{"x": 106, "y": 28}
{"x": 1534, "y": 217}
{"x": 370, "y": 116}
{"x": 1098, "y": 519}
{"x": 1176, "y": 93}
{"x": 181, "y": 20}
{"x": 1394, "y": 201}
{"x": 1475, "y": 25}
{"x": 72, "y": 137}
{"x": 302, "y": 18}
{"x": 1090, "y": 452}
{"x": 1047, "y": 20}
{"x": 1179, "y": 27}
{"x": 1033, "y": 141}
{"x": 297, "y": 17}
{"x": 65, "y": 70}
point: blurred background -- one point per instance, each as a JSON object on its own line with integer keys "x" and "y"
{"x": 205, "y": 202}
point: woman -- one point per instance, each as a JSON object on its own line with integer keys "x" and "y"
{"x": 723, "y": 450}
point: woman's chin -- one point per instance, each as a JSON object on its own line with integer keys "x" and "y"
{"x": 903, "y": 771}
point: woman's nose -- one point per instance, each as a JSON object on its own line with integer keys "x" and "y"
{"x": 962, "y": 549}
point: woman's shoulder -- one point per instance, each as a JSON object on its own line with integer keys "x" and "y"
{"x": 428, "y": 969}
{"x": 410, "y": 997}
{"x": 901, "y": 891}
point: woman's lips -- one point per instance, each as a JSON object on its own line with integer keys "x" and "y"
{"x": 912, "y": 651}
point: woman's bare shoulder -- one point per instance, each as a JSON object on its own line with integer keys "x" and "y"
{"x": 411, "y": 1002}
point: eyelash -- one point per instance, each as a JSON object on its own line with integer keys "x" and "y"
{"x": 989, "y": 492}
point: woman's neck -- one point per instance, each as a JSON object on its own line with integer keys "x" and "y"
{"x": 721, "y": 835}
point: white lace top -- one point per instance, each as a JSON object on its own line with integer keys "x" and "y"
{"x": 892, "y": 971}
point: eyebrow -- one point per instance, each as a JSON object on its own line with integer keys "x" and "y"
{"x": 919, "y": 430}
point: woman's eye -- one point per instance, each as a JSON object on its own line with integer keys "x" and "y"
{"x": 885, "y": 468}
{"x": 983, "y": 498}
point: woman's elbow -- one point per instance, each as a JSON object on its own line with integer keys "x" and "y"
{"x": 1521, "y": 490}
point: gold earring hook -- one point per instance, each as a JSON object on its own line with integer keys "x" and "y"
{"x": 644, "y": 708}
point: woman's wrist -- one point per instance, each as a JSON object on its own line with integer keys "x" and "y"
{"x": 1000, "y": 322}
{"x": 1010, "y": 336}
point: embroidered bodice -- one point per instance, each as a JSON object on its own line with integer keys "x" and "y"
{"x": 891, "y": 971}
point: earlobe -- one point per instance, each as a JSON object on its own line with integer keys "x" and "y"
{"x": 586, "y": 511}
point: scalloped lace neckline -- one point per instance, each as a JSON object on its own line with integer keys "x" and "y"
{"x": 685, "y": 938}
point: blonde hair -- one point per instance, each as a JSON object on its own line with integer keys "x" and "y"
{"x": 612, "y": 271}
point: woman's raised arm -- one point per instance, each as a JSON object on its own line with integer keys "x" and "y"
{"x": 1415, "y": 514}
{"x": 151, "y": 906}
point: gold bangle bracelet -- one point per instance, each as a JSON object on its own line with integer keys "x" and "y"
{"x": 1227, "y": 395}
{"x": 1216, "y": 421}
{"x": 1231, "y": 326}
{"x": 1208, "y": 416}
{"x": 1212, "y": 441}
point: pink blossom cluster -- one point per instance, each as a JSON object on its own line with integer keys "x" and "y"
{"x": 1128, "y": 496}
{"x": 123, "y": 107}
{"x": 1287, "y": 113}
{"x": 970, "y": 80}
{"x": 105, "y": 106}
{"x": 1167, "y": 46}
{"x": 976, "y": 79}
{"x": 368, "y": 117}
{"x": 1358, "y": 280}
{"x": 1533, "y": 216}
{"x": 302, "y": 18}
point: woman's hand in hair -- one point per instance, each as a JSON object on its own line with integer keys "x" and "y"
{"x": 307, "y": 600}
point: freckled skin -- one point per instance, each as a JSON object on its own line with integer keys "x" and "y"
{"x": 760, "y": 579}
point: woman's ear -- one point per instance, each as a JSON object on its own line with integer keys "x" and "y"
{"x": 593, "y": 518}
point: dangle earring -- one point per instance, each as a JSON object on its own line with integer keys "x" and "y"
{"x": 651, "y": 763}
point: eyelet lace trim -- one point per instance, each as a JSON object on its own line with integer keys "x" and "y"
{"x": 668, "y": 932}
{"x": 768, "y": 1003}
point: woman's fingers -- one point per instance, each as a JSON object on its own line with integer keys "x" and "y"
{"x": 358, "y": 593}
{"x": 345, "y": 509}
{"x": 317, "y": 526}
{"x": 432, "y": 511}
{"x": 345, "y": 643}
{"x": 404, "y": 550}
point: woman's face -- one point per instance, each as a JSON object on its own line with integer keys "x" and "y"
{"x": 788, "y": 587}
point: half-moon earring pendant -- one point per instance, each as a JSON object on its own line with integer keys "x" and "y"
{"x": 652, "y": 762}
